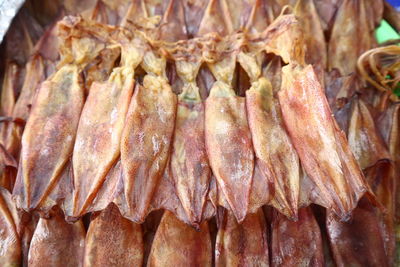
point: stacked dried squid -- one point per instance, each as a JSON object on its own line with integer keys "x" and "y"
{"x": 199, "y": 133}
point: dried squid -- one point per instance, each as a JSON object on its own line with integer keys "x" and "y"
{"x": 112, "y": 240}
{"x": 244, "y": 244}
{"x": 177, "y": 244}
{"x": 322, "y": 147}
{"x": 146, "y": 137}
{"x": 57, "y": 243}
{"x": 101, "y": 124}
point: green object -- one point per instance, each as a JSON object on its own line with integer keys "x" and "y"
{"x": 385, "y": 32}
{"x": 397, "y": 90}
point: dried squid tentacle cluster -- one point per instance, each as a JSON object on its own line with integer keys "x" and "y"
{"x": 204, "y": 133}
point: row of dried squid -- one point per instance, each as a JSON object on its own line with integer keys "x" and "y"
{"x": 112, "y": 240}
{"x": 233, "y": 117}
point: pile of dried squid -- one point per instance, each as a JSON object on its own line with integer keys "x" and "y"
{"x": 199, "y": 133}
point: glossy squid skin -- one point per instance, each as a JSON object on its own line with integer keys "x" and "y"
{"x": 10, "y": 243}
{"x": 37, "y": 69}
{"x": 49, "y": 136}
{"x": 316, "y": 48}
{"x": 389, "y": 125}
{"x": 9, "y": 89}
{"x": 194, "y": 11}
{"x": 21, "y": 36}
{"x": 33, "y": 77}
{"x": 357, "y": 242}
{"x": 57, "y": 243}
{"x": 98, "y": 137}
{"x": 296, "y": 243}
{"x": 320, "y": 144}
{"x": 189, "y": 163}
{"x": 110, "y": 190}
{"x": 8, "y": 169}
{"x": 374, "y": 158}
{"x": 237, "y": 13}
{"x": 27, "y": 227}
{"x": 229, "y": 146}
{"x": 260, "y": 17}
{"x": 110, "y": 12}
{"x": 166, "y": 198}
{"x": 10, "y": 86}
{"x": 112, "y": 240}
{"x": 173, "y": 27}
{"x": 262, "y": 189}
{"x": 214, "y": 20}
{"x": 326, "y": 10}
{"x": 382, "y": 179}
{"x": 177, "y": 244}
{"x": 349, "y": 40}
{"x": 145, "y": 143}
{"x": 277, "y": 158}
{"x": 244, "y": 244}
{"x": 364, "y": 140}
{"x": 346, "y": 38}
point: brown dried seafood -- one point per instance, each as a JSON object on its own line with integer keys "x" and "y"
{"x": 337, "y": 180}
{"x": 199, "y": 133}
{"x": 177, "y": 244}
{"x": 113, "y": 240}
{"x": 57, "y": 243}
{"x": 243, "y": 244}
